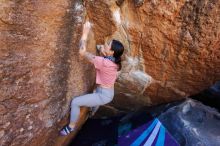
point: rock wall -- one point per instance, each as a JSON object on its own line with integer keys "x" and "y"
{"x": 40, "y": 69}
{"x": 172, "y": 47}
{"x": 172, "y": 51}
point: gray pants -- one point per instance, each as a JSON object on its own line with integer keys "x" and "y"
{"x": 101, "y": 96}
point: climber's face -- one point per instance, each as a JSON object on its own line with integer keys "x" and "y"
{"x": 107, "y": 49}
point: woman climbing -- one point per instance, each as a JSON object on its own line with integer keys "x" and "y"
{"x": 106, "y": 72}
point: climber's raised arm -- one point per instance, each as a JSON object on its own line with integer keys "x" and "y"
{"x": 82, "y": 51}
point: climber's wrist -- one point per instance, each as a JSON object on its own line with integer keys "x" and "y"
{"x": 82, "y": 44}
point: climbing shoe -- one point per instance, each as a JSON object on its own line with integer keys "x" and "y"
{"x": 66, "y": 130}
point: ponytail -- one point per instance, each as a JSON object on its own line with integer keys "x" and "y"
{"x": 118, "y": 62}
{"x": 118, "y": 49}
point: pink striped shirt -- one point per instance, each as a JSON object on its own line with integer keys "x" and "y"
{"x": 106, "y": 71}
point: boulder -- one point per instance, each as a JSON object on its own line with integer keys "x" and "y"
{"x": 171, "y": 51}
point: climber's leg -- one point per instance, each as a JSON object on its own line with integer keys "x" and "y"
{"x": 101, "y": 97}
{"x": 94, "y": 109}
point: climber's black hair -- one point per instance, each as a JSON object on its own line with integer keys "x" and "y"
{"x": 118, "y": 49}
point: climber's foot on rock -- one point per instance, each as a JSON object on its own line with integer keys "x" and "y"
{"x": 66, "y": 130}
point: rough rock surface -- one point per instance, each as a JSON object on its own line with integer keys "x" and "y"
{"x": 172, "y": 50}
{"x": 40, "y": 69}
{"x": 172, "y": 47}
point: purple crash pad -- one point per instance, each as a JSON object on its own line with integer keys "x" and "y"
{"x": 152, "y": 133}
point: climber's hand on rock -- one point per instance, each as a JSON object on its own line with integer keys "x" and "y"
{"x": 86, "y": 29}
{"x": 100, "y": 49}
